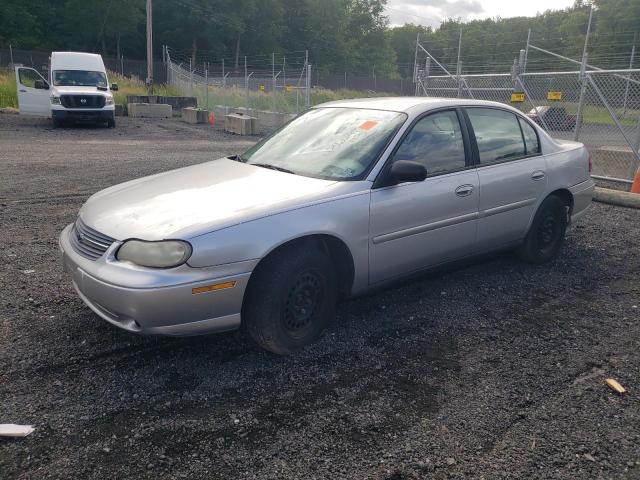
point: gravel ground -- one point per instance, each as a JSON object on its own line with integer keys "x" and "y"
{"x": 492, "y": 370}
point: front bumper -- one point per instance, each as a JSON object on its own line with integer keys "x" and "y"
{"x": 83, "y": 115}
{"x": 154, "y": 301}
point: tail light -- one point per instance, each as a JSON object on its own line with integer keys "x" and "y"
{"x": 590, "y": 164}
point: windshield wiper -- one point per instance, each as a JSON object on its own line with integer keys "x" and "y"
{"x": 272, "y": 167}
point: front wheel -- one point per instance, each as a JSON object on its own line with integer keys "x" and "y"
{"x": 111, "y": 123}
{"x": 546, "y": 235}
{"x": 291, "y": 299}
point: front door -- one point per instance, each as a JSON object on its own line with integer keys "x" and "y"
{"x": 32, "y": 100}
{"x": 422, "y": 224}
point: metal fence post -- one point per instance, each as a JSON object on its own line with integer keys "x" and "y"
{"x": 273, "y": 82}
{"x": 626, "y": 90}
{"x": 246, "y": 84}
{"x": 307, "y": 100}
{"x": 583, "y": 78}
{"x": 459, "y": 65}
{"x": 190, "y": 78}
{"x": 583, "y": 91}
{"x": 206, "y": 87}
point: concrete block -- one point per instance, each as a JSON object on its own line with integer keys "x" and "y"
{"x": 240, "y": 124}
{"x": 149, "y": 110}
{"x": 195, "y": 115}
{"x": 177, "y": 103}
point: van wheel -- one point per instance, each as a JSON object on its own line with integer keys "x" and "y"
{"x": 57, "y": 123}
{"x": 111, "y": 123}
{"x": 291, "y": 299}
{"x": 546, "y": 235}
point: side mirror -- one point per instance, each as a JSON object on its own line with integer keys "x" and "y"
{"x": 406, "y": 171}
{"x": 41, "y": 85}
{"x": 114, "y": 87}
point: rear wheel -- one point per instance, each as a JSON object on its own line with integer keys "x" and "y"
{"x": 291, "y": 299}
{"x": 546, "y": 235}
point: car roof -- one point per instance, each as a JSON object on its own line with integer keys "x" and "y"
{"x": 407, "y": 104}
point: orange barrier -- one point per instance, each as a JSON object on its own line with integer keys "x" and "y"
{"x": 212, "y": 119}
{"x": 635, "y": 187}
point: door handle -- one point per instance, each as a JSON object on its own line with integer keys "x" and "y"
{"x": 537, "y": 175}
{"x": 23, "y": 91}
{"x": 464, "y": 190}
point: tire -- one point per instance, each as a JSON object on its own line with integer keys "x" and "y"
{"x": 290, "y": 299}
{"x": 111, "y": 123}
{"x": 546, "y": 235}
{"x": 57, "y": 123}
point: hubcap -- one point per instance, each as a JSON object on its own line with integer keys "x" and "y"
{"x": 302, "y": 302}
{"x": 547, "y": 232}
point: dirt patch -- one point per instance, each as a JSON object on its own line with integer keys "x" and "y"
{"x": 492, "y": 370}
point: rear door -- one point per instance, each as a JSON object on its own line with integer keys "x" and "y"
{"x": 32, "y": 100}
{"x": 511, "y": 171}
{"x": 421, "y": 224}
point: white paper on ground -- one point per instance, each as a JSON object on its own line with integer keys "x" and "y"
{"x": 12, "y": 430}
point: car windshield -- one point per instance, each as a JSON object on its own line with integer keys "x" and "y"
{"x": 329, "y": 143}
{"x": 79, "y": 78}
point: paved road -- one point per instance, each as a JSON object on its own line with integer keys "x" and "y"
{"x": 493, "y": 370}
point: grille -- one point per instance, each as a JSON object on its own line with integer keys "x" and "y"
{"x": 87, "y": 242}
{"x": 82, "y": 101}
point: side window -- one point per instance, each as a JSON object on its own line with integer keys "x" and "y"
{"x": 436, "y": 142}
{"x": 530, "y": 137}
{"x": 28, "y": 77}
{"x": 497, "y": 133}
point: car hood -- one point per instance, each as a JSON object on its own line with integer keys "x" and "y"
{"x": 72, "y": 90}
{"x": 199, "y": 199}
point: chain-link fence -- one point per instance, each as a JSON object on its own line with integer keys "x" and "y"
{"x": 600, "y": 108}
{"x": 272, "y": 88}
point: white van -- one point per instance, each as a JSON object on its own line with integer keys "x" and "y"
{"x": 77, "y": 90}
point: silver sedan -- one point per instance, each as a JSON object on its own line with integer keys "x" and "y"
{"x": 349, "y": 196}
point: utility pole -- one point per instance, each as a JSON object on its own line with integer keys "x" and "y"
{"x": 149, "y": 47}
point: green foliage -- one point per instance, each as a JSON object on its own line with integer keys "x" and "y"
{"x": 8, "y": 92}
{"x": 341, "y": 35}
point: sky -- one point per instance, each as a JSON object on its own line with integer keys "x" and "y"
{"x": 433, "y": 12}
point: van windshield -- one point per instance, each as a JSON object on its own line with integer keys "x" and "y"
{"x": 79, "y": 78}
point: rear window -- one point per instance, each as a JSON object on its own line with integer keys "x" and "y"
{"x": 497, "y": 133}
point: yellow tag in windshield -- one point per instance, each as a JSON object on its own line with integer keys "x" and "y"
{"x": 368, "y": 125}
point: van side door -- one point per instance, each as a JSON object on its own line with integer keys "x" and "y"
{"x": 512, "y": 174}
{"x": 33, "y": 92}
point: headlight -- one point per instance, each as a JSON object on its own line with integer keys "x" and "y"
{"x": 55, "y": 100}
{"x": 164, "y": 254}
{"x": 109, "y": 101}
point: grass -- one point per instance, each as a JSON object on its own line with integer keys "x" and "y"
{"x": 134, "y": 86}
{"x": 8, "y": 92}
{"x": 286, "y": 102}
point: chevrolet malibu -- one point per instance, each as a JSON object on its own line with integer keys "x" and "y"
{"x": 348, "y": 197}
